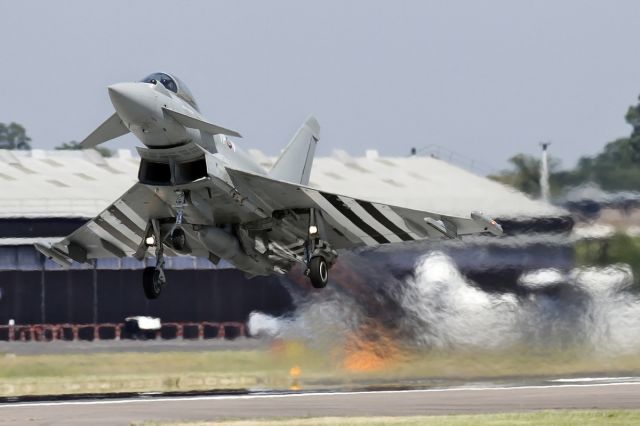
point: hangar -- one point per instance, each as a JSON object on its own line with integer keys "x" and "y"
{"x": 48, "y": 194}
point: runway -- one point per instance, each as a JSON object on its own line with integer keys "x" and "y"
{"x": 583, "y": 394}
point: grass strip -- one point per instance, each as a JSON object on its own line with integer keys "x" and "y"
{"x": 548, "y": 417}
{"x": 286, "y": 366}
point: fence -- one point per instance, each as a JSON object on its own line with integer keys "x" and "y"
{"x": 118, "y": 331}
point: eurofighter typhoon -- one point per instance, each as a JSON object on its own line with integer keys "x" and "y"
{"x": 198, "y": 193}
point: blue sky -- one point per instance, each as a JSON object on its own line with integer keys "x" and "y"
{"x": 488, "y": 79}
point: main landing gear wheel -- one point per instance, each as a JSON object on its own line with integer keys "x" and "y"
{"x": 152, "y": 281}
{"x": 318, "y": 272}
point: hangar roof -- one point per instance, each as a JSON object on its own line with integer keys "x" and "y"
{"x": 41, "y": 183}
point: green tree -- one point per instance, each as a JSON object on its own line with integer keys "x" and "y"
{"x": 74, "y": 145}
{"x": 524, "y": 174}
{"x": 14, "y": 136}
{"x": 617, "y": 167}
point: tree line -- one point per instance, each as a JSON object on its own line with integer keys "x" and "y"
{"x": 615, "y": 168}
{"x": 14, "y": 136}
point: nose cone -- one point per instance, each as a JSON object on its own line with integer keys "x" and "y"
{"x": 134, "y": 102}
{"x": 123, "y": 93}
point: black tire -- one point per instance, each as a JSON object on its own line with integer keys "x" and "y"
{"x": 151, "y": 283}
{"x": 318, "y": 272}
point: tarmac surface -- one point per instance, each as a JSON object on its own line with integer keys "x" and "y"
{"x": 584, "y": 393}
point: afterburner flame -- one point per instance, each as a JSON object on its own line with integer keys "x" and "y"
{"x": 371, "y": 350}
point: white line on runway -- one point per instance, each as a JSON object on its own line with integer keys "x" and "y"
{"x": 596, "y": 379}
{"x": 303, "y": 395}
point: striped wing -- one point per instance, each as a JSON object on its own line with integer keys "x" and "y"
{"x": 118, "y": 231}
{"x": 363, "y": 222}
{"x": 354, "y": 222}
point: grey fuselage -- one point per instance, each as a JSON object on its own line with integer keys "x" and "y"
{"x": 139, "y": 105}
{"x": 179, "y": 158}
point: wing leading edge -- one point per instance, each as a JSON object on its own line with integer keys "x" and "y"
{"x": 357, "y": 222}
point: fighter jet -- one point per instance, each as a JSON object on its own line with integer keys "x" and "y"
{"x": 200, "y": 194}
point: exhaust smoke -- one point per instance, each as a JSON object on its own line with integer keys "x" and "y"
{"x": 369, "y": 316}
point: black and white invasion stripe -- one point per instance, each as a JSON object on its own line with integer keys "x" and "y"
{"x": 121, "y": 227}
{"x": 371, "y": 223}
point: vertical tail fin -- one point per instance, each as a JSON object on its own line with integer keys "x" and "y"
{"x": 294, "y": 164}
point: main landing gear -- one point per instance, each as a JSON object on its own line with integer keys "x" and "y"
{"x": 318, "y": 272}
{"x": 318, "y": 254}
{"x": 153, "y": 278}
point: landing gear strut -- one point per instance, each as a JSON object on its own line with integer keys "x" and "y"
{"x": 153, "y": 278}
{"x": 318, "y": 254}
{"x": 177, "y": 237}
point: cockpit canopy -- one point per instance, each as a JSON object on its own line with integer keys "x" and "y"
{"x": 173, "y": 84}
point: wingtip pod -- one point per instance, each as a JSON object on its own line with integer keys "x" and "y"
{"x": 489, "y": 224}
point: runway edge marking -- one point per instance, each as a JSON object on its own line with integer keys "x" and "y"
{"x": 303, "y": 395}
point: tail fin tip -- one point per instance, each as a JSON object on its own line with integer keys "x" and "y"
{"x": 314, "y": 126}
{"x": 294, "y": 164}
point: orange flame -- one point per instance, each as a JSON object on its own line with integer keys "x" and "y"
{"x": 372, "y": 353}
